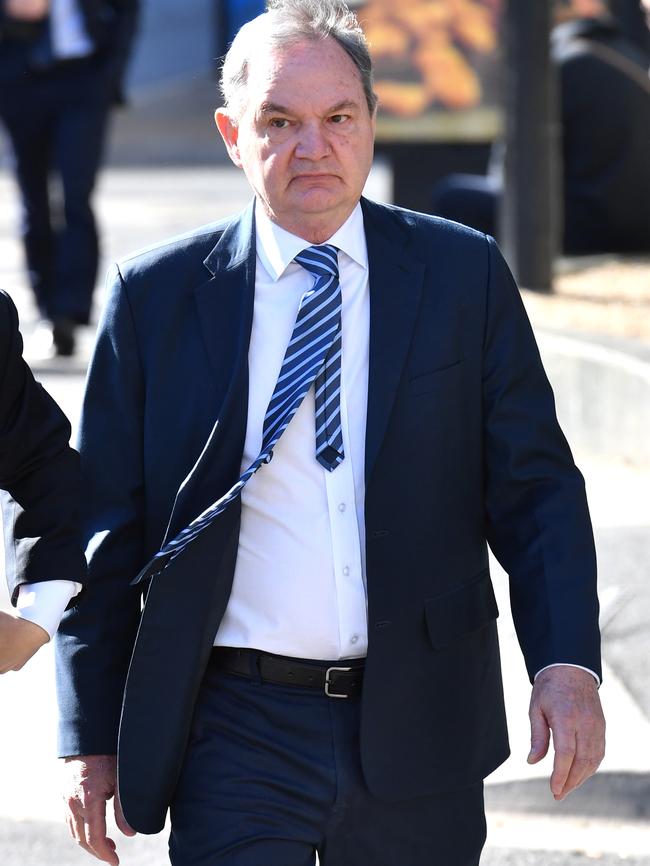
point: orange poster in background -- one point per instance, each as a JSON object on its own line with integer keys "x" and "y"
{"x": 437, "y": 66}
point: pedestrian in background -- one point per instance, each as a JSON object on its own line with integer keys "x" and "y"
{"x": 39, "y": 491}
{"x": 62, "y": 64}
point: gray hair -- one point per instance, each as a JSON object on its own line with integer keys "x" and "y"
{"x": 287, "y": 22}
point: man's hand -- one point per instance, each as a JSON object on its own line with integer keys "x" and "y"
{"x": 565, "y": 701}
{"x": 27, "y": 10}
{"x": 88, "y": 782}
{"x": 19, "y": 640}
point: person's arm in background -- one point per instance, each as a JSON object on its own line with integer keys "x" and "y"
{"x": 115, "y": 40}
{"x": 39, "y": 490}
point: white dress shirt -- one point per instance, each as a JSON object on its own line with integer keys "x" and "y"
{"x": 68, "y": 33}
{"x": 299, "y": 587}
{"x": 44, "y": 602}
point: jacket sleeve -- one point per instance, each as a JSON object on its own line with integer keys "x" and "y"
{"x": 95, "y": 641}
{"x": 118, "y": 42}
{"x": 39, "y": 472}
{"x": 537, "y": 519}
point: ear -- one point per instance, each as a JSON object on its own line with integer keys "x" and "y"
{"x": 230, "y": 133}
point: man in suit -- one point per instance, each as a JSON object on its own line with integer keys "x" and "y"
{"x": 61, "y": 68}
{"x": 39, "y": 480}
{"x": 301, "y": 427}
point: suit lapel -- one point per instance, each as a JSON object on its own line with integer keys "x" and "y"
{"x": 225, "y": 310}
{"x": 224, "y": 305}
{"x": 395, "y": 279}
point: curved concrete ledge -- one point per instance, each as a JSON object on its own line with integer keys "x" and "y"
{"x": 602, "y": 396}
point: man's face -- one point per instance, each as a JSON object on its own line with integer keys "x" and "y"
{"x": 305, "y": 136}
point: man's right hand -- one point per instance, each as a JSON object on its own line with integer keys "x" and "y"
{"x": 27, "y": 10}
{"x": 88, "y": 782}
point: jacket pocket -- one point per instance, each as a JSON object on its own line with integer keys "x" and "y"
{"x": 424, "y": 381}
{"x": 461, "y": 612}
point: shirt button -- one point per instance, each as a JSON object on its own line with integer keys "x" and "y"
{"x": 354, "y": 638}
{"x": 342, "y": 507}
{"x": 346, "y": 570}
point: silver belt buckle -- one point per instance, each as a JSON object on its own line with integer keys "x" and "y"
{"x": 327, "y": 681}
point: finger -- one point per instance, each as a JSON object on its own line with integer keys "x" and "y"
{"x": 77, "y": 825}
{"x": 72, "y": 827}
{"x": 122, "y": 824}
{"x": 589, "y": 754}
{"x": 577, "y": 775}
{"x": 540, "y": 736}
{"x": 565, "y": 749}
{"x": 100, "y": 845}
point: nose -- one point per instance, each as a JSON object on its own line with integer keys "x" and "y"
{"x": 312, "y": 142}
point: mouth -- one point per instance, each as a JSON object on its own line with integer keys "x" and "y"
{"x": 315, "y": 176}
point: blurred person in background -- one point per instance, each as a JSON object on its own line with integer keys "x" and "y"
{"x": 62, "y": 64}
{"x": 605, "y": 123}
{"x": 631, "y": 17}
{"x": 39, "y": 490}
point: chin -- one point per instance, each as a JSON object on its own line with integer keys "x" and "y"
{"x": 318, "y": 201}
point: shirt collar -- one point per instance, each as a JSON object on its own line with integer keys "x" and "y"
{"x": 277, "y": 248}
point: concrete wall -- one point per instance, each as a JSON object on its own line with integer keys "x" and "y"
{"x": 603, "y": 396}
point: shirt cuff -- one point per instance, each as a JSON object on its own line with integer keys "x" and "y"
{"x": 44, "y": 602}
{"x": 569, "y": 665}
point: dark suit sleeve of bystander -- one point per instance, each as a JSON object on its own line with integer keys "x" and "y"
{"x": 112, "y": 25}
{"x": 39, "y": 472}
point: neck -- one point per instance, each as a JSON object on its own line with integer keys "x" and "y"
{"x": 316, "y": 229}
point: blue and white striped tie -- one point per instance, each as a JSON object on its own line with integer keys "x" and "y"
{"x": 329, "y": 435}
{"x": 312, "y": 356}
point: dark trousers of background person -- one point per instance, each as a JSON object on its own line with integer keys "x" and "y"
{"x": 56, "y": 120}
{"x": 272, "y": 775}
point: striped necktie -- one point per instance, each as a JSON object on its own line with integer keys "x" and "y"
{"x": 312, "y": 356}
{"x": 322, "y": 264}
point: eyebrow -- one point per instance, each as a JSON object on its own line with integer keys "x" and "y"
{"x": 275, "y": 108}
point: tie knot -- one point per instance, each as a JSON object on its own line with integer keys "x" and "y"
{"x": 321, "y": 261}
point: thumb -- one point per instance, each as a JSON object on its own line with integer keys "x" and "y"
{"x": 540, "y": 736}
{"x": 122, "y": 824}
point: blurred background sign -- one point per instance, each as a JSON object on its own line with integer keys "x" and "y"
{"x": 437, "y": 68}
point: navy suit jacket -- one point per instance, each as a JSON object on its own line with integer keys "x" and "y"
{"x": 462, "y": 448}
{"x": 39, "y": 472}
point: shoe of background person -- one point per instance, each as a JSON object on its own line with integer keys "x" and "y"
{"x": 63, "y": 337}
{"x": 51, "y": 340}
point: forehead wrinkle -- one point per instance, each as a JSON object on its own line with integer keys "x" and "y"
{"x": 275, "y": 108}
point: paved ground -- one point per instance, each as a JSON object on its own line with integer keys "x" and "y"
{"x": 168, "y": 174}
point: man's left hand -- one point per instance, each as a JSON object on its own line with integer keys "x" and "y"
{"x": 19, "y": 640}
{"x": 565, "y": 702}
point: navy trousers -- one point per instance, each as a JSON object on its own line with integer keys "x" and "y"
{"x": 56, "y": 120}
{"x": 272, "y": 777}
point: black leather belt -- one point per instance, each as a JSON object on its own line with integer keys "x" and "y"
{"x": 341, "y": 680}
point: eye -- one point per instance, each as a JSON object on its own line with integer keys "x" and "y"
{"x": 279, "y": 122}
{"x": 339, "y": 118}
